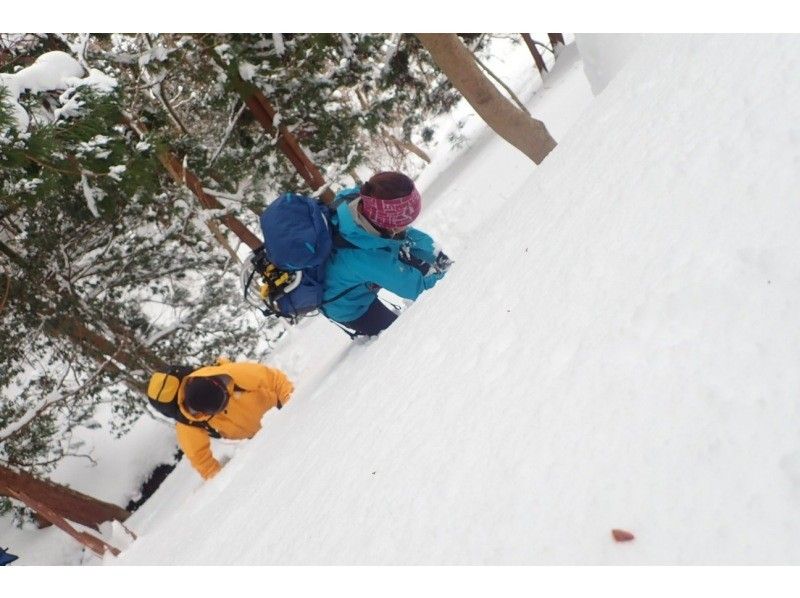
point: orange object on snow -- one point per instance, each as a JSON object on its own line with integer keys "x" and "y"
{"x": 620, "y": 535}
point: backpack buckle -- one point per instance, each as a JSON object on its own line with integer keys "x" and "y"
{"x": 275, "y": 283}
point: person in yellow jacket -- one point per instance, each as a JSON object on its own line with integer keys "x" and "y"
{"x": 231, "y": 398}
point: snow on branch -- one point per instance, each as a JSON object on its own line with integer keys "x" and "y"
{"x": 158, "y": 335}
{"x": 92, "y": 195}
{"x": 60, "y": 393}
{"x": 391, "y": 49}
{"x": 227, "y": 134}
{"x": 348, "y": 49}
{"x": 280, "y": 48}
{"x": 52, "y": 71}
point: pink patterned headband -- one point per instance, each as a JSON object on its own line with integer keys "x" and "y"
{"x": 392, "y": 213}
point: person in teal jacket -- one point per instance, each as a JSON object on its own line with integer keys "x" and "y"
{"x": 376, "y": 248}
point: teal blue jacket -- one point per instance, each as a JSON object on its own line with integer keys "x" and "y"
{"x": 354, "y": 274}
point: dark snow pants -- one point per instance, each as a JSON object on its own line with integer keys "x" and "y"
{"x": 376, "y": 319}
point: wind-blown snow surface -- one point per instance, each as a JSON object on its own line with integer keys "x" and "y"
{"x": 616, "y": 347}
{"x": 604, "y": 54}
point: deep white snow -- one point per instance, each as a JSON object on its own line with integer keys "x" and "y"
{"x": 615, "y": 347}
{"x": 604, "y": 54}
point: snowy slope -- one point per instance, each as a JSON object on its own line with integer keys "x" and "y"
{"x": 616, "y": 346}
{"x": 121, "y": 465}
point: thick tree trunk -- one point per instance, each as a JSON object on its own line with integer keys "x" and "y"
{"x": 407, "y": 146}
{"x": 500, "y": 82}
{"x": 537, "y": 57}
{"x": 527, "y": 134}
{"x": 64, "y": 501}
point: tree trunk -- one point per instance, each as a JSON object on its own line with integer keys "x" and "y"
{"x": 527, "y": 134}
{"x": 557, "y": 41}
{"x": 97, "y": 545}
{"x": 537, "y": 57}
{"x": 64, "y": 501}
{"x": 184, "y": 176}
{"x": 500, "y": 82}
{"x": 407, "y": 146}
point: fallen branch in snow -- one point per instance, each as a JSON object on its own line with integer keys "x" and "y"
{"x": 620, "y": 535}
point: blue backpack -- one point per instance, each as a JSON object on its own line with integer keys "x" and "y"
{"x": 298, "y": 238}
{"x": 6, "y": 557}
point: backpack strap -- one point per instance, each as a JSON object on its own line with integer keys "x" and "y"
{"x": 344, "y": 197}
{"x": 339, "y": 242}
{"x": 207, "y": 427}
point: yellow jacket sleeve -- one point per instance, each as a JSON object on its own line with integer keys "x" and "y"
{"x": 282, "y": 386}
{"x": 196, "y": 445}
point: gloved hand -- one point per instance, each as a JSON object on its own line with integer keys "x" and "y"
{"x": 413, "y": 261}
{"x": 442, "y": 263}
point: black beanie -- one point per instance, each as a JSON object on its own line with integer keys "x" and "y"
{"x": 206, "y": 395}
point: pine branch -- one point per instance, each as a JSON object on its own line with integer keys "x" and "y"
{"x": 227, "y": 134}
{"x": 49, "y": 166}
{"x": 162, "y": 97}
{"x": 43, "y": 405}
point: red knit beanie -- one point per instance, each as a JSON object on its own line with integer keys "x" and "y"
{"x": 389, "y": 200}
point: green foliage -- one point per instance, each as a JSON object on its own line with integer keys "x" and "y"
{"x": 340, "y": 96}
{"x": 102, "y": 252}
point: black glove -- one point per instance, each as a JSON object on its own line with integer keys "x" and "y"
{"x": 413, "y": 261}
{"x": 442, "y": 263}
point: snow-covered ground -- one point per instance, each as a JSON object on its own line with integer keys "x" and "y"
{"x": 615, "y": 347}
{"x": 123, "y": 464}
